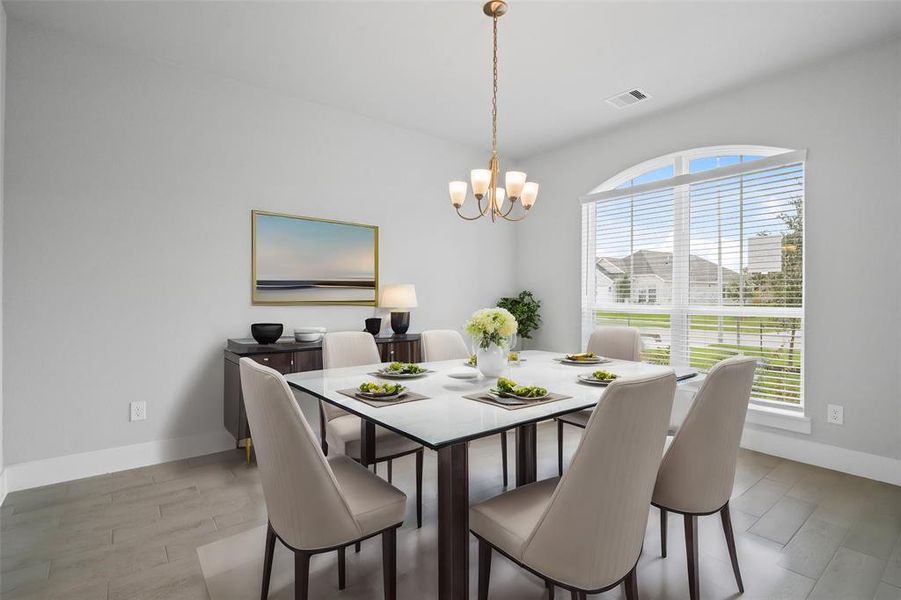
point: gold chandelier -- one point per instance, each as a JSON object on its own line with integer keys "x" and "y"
{"x": 485, "y": 182}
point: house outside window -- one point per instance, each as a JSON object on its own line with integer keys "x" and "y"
{"x": 702, "y": 250}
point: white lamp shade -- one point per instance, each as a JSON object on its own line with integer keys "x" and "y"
{"x": 398, "y": 295}
{"x": 515, "y": 181}
{"x": 480, "y": 179}
{"x": 529, "y": 194}
{"x": 500, "y": 193}
{"x": 457, "y": 190}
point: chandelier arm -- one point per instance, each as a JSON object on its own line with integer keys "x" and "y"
{"x": 515, "y": 219}
{"x": 482, "y": 211}
{"x": 464, "y": 217}
{"x": 509, "y": 210}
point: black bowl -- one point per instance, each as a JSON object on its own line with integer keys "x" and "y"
{"x": 374, "y": 325}
{"x": 266, "y": 333}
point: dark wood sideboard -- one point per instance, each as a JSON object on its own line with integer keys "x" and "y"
{"x": 292, "y": 357}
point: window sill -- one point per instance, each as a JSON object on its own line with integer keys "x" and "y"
{"x": 778, "y": 418}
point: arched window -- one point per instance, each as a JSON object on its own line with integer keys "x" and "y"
{"x": 702, "y": 250}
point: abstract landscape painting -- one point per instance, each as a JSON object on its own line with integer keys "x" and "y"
{"x": 300, "y": 260}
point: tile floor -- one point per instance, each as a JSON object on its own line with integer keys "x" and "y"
{"x": 803, "y": 532}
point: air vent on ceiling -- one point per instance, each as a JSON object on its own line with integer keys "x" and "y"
{"x": 629, "y": 98}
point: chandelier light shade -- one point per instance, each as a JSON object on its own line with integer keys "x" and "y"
{"x": 486, "y": 183}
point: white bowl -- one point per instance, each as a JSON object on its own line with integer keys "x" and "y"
{"x": 308, "y": 334}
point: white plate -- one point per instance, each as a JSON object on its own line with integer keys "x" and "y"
{"x": 522, "y": 399}
{"x": 589, "y": 363}
{"x": 467, "y": 374}
{"x": 382, "y": 398}
{"x": 392, "y": 375}
{"x": 592, "y": 381}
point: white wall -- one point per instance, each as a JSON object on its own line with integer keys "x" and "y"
{"x": 129, "y": 189}
{"x": 846, "y": 113}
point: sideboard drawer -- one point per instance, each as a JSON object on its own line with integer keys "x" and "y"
{"x": 283, "y": 362}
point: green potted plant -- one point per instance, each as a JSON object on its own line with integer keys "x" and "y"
{"x": 526, "y": 310}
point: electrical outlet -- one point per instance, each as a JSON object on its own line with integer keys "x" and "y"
{"x": 138, "y": 411}
{"x": 835, "y": 414}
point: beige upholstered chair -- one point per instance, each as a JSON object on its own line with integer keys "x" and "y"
{"x": 584, "y": 531}
{"x": 618, "y": 343}
{"x": 341, "y": 430}
{"x": 698, "y": 469}
{"x": 315, "y": 504}
{"x": 447, "y": 344}
{"x": 443, "y": 344}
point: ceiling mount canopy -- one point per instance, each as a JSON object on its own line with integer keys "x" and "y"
{"x": 486, "y": 182}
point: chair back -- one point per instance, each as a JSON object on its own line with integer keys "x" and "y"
{"x": 592, "y": 531}
{"x": 443, "y": 344}
{"x": 306, "y": 507}
{"x": 621, "y": 343}
{"x": 346, "y": 349}
{"x": 697, "y": 472}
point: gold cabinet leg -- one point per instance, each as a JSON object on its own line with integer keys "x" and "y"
{"x": 248, "y": 445}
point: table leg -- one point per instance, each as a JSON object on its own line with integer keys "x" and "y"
{"x": 367, "y": 442}
{"x": 526, "y": 454}
{"x": 453, "y": 522}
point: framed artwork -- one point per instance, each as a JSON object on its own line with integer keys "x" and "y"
{"x": 302, "y": 260}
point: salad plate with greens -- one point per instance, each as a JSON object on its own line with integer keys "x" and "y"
{"x": 381, "y": 391}
{"x": 399, "y": 370}
{"x": 507, "y": 388}
{"x": 599, "y": 377}
{"x": 582, "y": 358}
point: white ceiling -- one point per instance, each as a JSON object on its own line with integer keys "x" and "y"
{"x": 426, "y": 65}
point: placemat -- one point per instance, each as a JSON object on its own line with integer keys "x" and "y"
{"x": 488, "y": 399}
{"x": 408, "y": 397}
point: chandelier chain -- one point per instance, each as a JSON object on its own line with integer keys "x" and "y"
{"x": 494, "y": 94}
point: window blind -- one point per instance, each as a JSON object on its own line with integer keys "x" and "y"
{"x": 707, "y": 265}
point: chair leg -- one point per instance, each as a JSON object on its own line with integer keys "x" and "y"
{"x": 267, "y": 561}
{"x": 504, "y": 455}
{"x": 691, "y": 550}
{"x": 730, "y": 541}
{"x": 301, "y": 575}
{"x": 484, "y": 569}
{"x": 630, "y": 584}
{"x": 579, "y": 595}
{"x": 663, "y": 518}
{"x": 389, "y": 563}
{"x": 357, "y": 547}
{"x": 341, "y": 569}
{"x": 390, "y": 471}
{"x": 560, "y": 448}
{"x": 419, "y": 458}
{"x": 322, "y": 429}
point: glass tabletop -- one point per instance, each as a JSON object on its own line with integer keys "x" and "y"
{"x": 446, "y": 417}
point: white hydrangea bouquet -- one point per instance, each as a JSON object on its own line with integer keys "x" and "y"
{"x": 491, "y": 330}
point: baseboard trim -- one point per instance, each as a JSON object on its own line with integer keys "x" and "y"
{"x": 853, "y": 462}
{"x": 99, "y": 462}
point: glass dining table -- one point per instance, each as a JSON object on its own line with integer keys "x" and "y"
{"x": 446, "y": 421}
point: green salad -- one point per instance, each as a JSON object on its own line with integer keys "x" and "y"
{"x": 381, "y": 388}
{"x": 473, "y": 360}
{"x": 523, "y": 391}
{"x": 399, "y": 368}
{"x": 604, "y": 375}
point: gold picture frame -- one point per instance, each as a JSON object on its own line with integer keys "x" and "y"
{"x": 313, "y": 292}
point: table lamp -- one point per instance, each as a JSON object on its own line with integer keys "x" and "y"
{"x": 398, "y": 297}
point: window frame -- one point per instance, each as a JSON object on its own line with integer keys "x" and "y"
{"x": 679, "y": 311}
